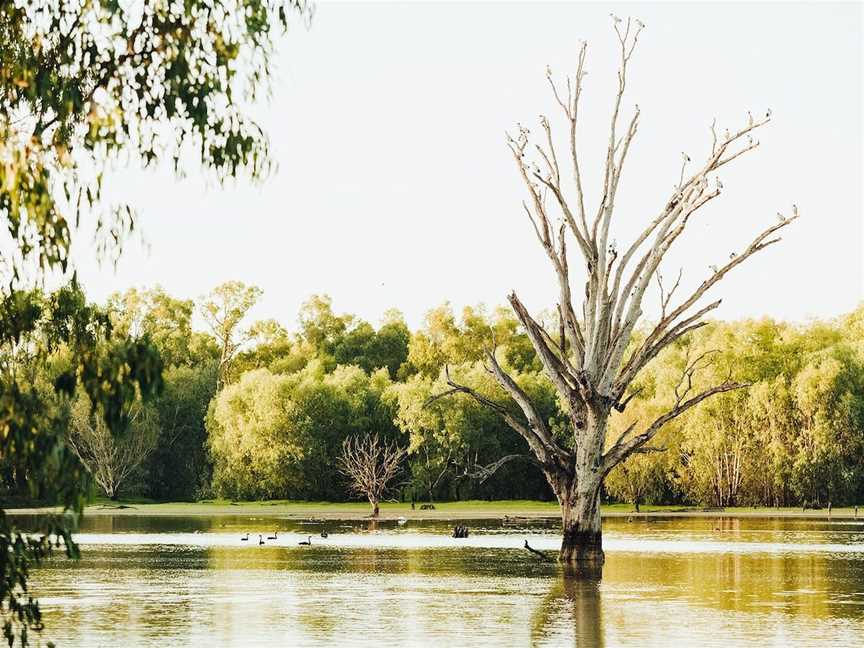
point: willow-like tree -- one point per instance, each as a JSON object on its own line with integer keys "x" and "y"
{"x": 594, "y": 358}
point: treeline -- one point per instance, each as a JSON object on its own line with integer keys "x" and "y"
{"x": 249, "y": 410}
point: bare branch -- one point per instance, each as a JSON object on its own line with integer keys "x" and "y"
{"x": 482, "y": 473}
{"x": 622, "y": 449}
{"x": 370, "y": 466}
{"x": 535, "y": 432}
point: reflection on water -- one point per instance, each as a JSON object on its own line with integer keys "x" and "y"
{"x": 157, "y": 581}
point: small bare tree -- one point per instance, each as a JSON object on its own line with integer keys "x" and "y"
{"x": 111, "y": 459}
{"x": 594, "y": 358}
{"x": 370, "y": 464}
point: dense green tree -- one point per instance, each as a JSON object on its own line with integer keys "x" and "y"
{"x": 167, "y": 321}
{"x": 272, "y": 347}
{"x": 83, "y": 85}
{"x": 224, "y": 310}
{"x": 51, "y": 348}
{"x": 464, "y": 445}
{"x": 444, "y": 340}
{"x": 320, "y": 326}
{"x": 179, "y": 467}
{"x": 277, "y": 435}
{"x": 348, "y": 340}
{"x": 255, "y": 445}
{"x": 791, "y": 437}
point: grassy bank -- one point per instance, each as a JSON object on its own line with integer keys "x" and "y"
{"x": 474, "y": 509}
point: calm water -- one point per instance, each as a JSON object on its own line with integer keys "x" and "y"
{"x": 149, "y": 581}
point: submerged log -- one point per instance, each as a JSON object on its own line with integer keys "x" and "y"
{"x": 539, "y": 554}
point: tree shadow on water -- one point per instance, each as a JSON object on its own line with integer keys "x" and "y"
{"x": 572, "y": 608}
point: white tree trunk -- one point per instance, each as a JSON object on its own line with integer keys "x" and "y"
{"x": 595, "y": 359}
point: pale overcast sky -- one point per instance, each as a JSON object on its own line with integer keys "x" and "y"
{"x": 395, "y": 187}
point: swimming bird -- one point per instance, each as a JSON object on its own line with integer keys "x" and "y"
{"x": 260, "y": 540}
{"x": 307, "y": 542}
{"x": 401, "y": 520}
{"x": 245, "y": 538}
{"x": 324, "y": 533}
{"x": 273, "y": 537}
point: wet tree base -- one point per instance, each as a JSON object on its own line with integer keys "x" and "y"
{"x": 582, "y": 547}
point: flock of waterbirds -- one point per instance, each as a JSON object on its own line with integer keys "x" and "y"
{"x": 304, "y": 543}
{"x": 459, "y": 531}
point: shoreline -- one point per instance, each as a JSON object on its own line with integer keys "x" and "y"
{"x": 476, "y": 510}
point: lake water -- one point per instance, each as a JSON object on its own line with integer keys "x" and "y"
{"x": 191, "y": 581}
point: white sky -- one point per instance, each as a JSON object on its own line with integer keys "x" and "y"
{"x": 395, "y": 187}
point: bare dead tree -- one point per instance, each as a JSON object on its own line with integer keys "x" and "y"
{"x": 596, "y": 358}
{"x": 370, "y": 464}
{"x": 108, "y": 458}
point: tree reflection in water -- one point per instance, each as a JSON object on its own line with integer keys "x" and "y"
{"x": 574, "y": 601}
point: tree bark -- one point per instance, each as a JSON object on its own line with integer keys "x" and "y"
{"x": 578, "y": 492}
{"x": 582, "y": 540}
{"x": 375, "y": 509}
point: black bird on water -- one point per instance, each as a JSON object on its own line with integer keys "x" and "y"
{"x": 324, "y": 533}
{"x": 260, "y": 540}
{"x": 306, "y": 542}
{"x": 245, "y": 538}
{"x": 273, "y": 537}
